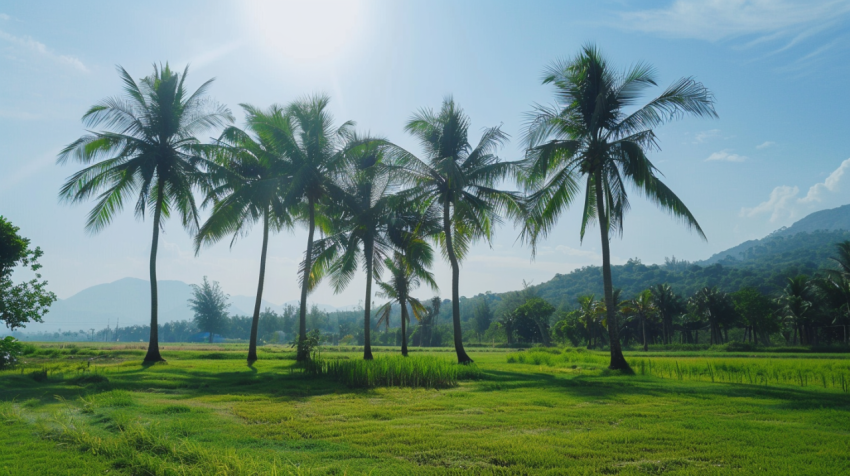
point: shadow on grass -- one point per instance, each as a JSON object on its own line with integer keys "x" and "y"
{"x": 612, "y": 386}
{"x": 283, "y": 382}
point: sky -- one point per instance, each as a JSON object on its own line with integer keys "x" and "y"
{"x": 779, "y": 71}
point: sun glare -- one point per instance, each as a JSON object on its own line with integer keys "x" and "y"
{"x": 305, "y": 30}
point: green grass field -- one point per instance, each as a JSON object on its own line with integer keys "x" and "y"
{"x": 94, "y": 409}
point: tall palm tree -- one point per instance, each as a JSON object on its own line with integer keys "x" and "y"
{"x": 668, "y": 304}
{"x": 796, "y": 301}
{"x": 248, "y": 179}
{"x": 408, "y": 269}
{"x": 644, "y": 308}
{"x": 367, "y": 221}
{"x": 717, "y": 308}
{"x": 842, "y": 260}
{"x": 148, "y": 151}
{"x": 316, "y": 150}
{"x": 589, "y": 135}
{"x": 428, "y": 321}
{"x": 459, "y": 182}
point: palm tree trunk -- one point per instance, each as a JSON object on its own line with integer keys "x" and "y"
{"x": 618, "y": 361}
{"x": 367, "y": 313}
{"x": 308, "y": 263}
{"x": 643, "y": 330}
{"x": 403, "y": 327}
{"x": 255, "y": 322}
{"x": 153, "y": 344}
{"x": 462, "y": 358}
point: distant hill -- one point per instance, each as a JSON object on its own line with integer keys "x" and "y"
{"x": 803, "y": 248}
{"x": 127, "y": 302}
{"x": 833, "y": 220}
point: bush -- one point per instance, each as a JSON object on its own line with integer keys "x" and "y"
{"x": 310, "y": 344}
{"x": 10, "y": 351}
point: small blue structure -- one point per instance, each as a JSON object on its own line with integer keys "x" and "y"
{"x": 205, "y": 337}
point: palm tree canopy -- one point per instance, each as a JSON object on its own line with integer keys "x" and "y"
{"x": 408, "y": 269}
{"x": 248, "y": 177}
{"x": 148, "y": 148}
{"x": 365, "y": 210}
{"x": 304, "y": 133}
{"x": 590, "y": 132}
{"x": 454, "y": 172}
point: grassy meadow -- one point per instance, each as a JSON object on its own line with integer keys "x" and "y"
{"x": 95, "y": 409}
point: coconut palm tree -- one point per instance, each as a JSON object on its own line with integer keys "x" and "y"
{"x": 408, "y": 269}
{"x": 428, "y": 321}
{"x": 147, "y": 152}
{"x": 643, "y": 307}
{"x": 248, "y": 180}
{"x": 717, "y": 308}
{"x": 316, "y": 150}
{"x": 460, "y": 183}
{"x": 796, "y": 302}
{"x": 842, "y": 260}
{"x": 368, "y": 220}
{"x": 589, "y": 136}
{"x": 669, "y": 304}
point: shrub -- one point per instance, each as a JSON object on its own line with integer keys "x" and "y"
{"x": 10, "y": 351}
{"x": 310, "y": 344}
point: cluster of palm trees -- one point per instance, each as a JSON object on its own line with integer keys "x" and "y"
{"x": 805, "y": 305}
{"x": 376, "y": 205}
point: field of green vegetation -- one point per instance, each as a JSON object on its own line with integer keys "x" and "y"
{"x": 95, "y": 409}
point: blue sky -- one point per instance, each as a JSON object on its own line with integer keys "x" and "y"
{"x": 779, "y": 71}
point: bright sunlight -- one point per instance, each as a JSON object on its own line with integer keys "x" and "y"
{"x": 305, "y": 31}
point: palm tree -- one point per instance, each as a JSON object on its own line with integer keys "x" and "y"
{"x": 588, "y": 135}
{"x": 835, "y": 293}
{"x": 796, "y": 301}
{"x": 368, "y": 219}
{"x": 316, "y": 150}
{"x": 717, "y": 308}
{"x": 668, "y": 304}
{"x": 427, "y": 321}
{"x": 643, "y": 307}
{"x": 247, "y": 183}
{"x": 147, "y": 152}
{"x": 408, "y": 268}
{"x": 842, "y": 260}
{"x": 460, "y": 183}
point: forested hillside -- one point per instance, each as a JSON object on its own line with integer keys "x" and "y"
{"x": 764, "y": 265}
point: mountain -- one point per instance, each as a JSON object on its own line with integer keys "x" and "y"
{"x": 126, "y": 302}
{"x": 803, "y": 248}
{"x": 833, "y": 220}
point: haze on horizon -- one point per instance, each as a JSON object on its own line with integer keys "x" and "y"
{"x": 778, "y": 151}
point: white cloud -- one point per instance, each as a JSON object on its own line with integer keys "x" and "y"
{"x": 5, "y": 17}
{"x": 832, "y": 184}
{"x": 715, "y": 20}
{"x": 725, "y": 156}
{"x": 765, "y": 145}
{"x": 41, "y": 49}
{"x": 779, "y": 205}
{"x": 785, "y": 203}
{"x": 706, "y": 135}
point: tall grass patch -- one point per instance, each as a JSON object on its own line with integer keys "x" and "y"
{"x": 395, "y": 371}
{"x": 571, "y": 357}
{"x": 825, "y": 373}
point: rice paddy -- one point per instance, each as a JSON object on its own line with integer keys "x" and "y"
{"x": 554, "y": 411}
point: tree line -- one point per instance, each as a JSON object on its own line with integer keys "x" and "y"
{"x": 376, "y": 205}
